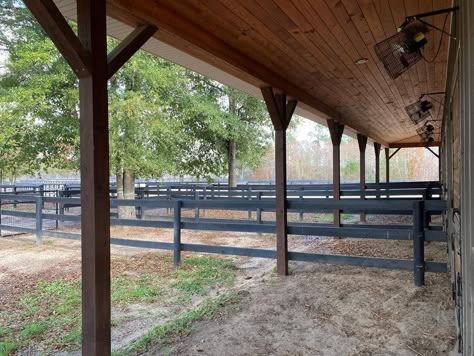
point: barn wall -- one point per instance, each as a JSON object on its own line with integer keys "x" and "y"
{"x": 457, "y": 171}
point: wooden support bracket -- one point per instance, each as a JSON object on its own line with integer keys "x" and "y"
{"x": 362, "y": 141}
{"x": 122, "y": 53}
{"x": 62, "y": 35}
{"x": 377, "y": 147}
{"x": 80, "y": 60}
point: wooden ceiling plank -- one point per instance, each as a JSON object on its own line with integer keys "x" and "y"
{"x": 428, "y": 49}
{"x": 398, "y": 104}
{"x": 371, "y": 31}
{"x": 291, "y": 48}
{"x": 334, "y": 18}
{"x": 306, "y": 32}
{"x": 269, "y": 23}
{"x": 413, "y": 8}
{"x": 385, "y": 14}
{"x": 308, "y": 54}
{"x": 334, "y": 51}
{"x": 330, "y": 39}
{"x": 236, "y": 32}
{"x": 159, "y": 14}
{"x": 441, "y": 65}
{"x": 399, "y": 14}
{"x": 370, "y": 70}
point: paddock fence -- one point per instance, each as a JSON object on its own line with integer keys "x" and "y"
{"x": 49, "y": 214}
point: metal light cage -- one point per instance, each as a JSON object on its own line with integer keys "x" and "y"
{"x": 415, "y": 112}
{"x": 393, "y": 51}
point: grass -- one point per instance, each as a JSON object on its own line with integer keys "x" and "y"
{"x": 164, "y": 334}
{"x": 49, "y": 316}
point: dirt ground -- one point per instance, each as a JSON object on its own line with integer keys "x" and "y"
{"x": 317, "y": 310}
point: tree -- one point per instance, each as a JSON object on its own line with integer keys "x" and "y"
{"x": 243, "y": 129}
{"x": 38, "y": 97}
{"x": 163, "y": 118}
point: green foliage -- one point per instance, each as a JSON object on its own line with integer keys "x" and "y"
{"x": 163, "y": 118}
{"x": 232, "y": 117}
{"x": 198, "y": 273}
{"x": 164, "y": 334}
{"x": 350, "y": 170}
{"x": 38, "y": 97}
{"x": 50, "y": 314}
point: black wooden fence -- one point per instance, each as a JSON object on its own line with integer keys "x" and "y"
{"x": 420, "y": 231}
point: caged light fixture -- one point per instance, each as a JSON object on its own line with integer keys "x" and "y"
{"x": 420, "y": 110}
{"x": 404, "y": 49}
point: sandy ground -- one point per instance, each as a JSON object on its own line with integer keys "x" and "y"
{"x": 331, "y": 310}
{"x": 317, "y": 310}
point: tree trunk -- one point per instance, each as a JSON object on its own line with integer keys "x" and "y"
{"x": 126, "y": 190}
{"x": 232, "y": 150}
{"x": 232, "y": 147}
{"x": 119, "y": 183}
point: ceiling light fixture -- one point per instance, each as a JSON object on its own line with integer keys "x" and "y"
{"x": 402, "y": 50}
{"x": 361, "y": 61}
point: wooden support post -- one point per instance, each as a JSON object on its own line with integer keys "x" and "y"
{"x": 280, "y": 110}
{"x": 336, "y": 130}
{"x": 362, "y": 140}
{"x": 87, "y": 56}
{"x": 387, "y": 165}
{"x": 377, "y": 147}
{"x": 95, "y": 204}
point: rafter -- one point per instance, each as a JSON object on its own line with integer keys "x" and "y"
{"x": 62, "y": 35}
{"x": 127, "y": 48}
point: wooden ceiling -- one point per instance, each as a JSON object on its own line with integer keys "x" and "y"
{"x": 308, "y": 48}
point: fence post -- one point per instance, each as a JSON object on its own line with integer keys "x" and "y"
{"x": 14, "y": 194}
{"x": 61, "y": 208}
{"x": 177, "y": 233}
{"x": 139, "y": 208}
{"x": 204, "y": 198}
{"x": 41, "y": 191}
{"x": 0, "y": 217}
{"x": 196, "y": 209}
{"x": 419, "y": 243}
{"x": 259, "y": 211}
{"x": 301, "y": 198}
{"x": 56, "y": 205}
{"x": 39, "y": 220}
{"x": 249, "y": 213}
{"x": 427, "y": 218}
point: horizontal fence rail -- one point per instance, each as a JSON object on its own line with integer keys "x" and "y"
{"x": 52, "y": 208}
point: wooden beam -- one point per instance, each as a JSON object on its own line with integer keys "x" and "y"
{"x": 394, "y": 153}
{"x": 377, "y": 147}
{"x": 414, "y": 144}
{"x": 280, "y": 110}
{"x": 336, "y": 130}
{"x": 362, "y": 141}
{"x": 95, "y": 217}
{"x": 64, "y": 38}
{"x": 160, "y": 14}
{"x": 128, "y": 47}
{"x": 433, "y": 152}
